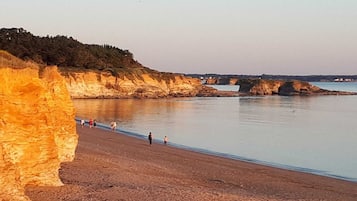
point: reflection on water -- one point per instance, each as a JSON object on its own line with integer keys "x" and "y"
{"x": 127, "y": 112}
{"x": 308, "y": 132}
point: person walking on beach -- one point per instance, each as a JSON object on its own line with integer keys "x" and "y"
{"x": 166, "y": 139}
{"x": 90, "y": 123}
{"x": 150, "y": 138}
{"x": 113, "y": 125}
{"x": 82, "y": 123}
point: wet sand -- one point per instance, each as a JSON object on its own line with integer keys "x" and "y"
{"x": 113, "y": 166}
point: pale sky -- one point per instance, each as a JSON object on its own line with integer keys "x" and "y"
{"x": 289, "y": 37}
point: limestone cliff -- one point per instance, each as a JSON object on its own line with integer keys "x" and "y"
{"x": 37, "y": 127}
{"x": 95, "y": 84}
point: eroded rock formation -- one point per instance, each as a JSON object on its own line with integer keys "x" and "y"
{"x": 104, "y": 85}
{"x": 284, "y": 88}
{"x": 292, "y": 88}
{"x": 37, "y": 127}
{"x": 259, "y": 87}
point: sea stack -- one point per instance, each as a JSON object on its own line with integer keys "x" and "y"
{"x": 284, "y": 88}
{"x": 37, "y": 127}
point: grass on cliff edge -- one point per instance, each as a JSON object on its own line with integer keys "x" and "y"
{"x": 10, "y": 61}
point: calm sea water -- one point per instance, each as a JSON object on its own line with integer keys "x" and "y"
{"x": 312, "y": 134}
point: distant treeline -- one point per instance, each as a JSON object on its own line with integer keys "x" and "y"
{"x": 64, "y": 51}
{"x": 307, "y": 78}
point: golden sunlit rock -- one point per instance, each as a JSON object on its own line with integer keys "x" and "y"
{"x": 101, "y": 84}
{"x": 37, "y": 127}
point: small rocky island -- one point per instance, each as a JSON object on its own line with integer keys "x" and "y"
{"x": 283, "y": 88}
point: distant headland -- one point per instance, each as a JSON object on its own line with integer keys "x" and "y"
{"x": 232, "y": 79}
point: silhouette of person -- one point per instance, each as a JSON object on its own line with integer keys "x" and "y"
{"x": 150, "y": 138}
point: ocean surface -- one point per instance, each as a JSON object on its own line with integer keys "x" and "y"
{"x": 315, "y": 134}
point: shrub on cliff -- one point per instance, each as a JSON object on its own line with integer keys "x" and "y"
{"x": 71, "y": 55}
{"x": 64, "y": 51}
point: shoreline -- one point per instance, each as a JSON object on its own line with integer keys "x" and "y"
{"x": 231, "y": 156}
{"x": 115, "y": 166}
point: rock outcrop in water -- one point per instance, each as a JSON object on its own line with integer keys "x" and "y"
{"x": 37, "y": 127}
{"x": 284, "y": 88}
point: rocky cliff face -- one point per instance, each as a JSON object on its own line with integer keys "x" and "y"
{"x": 259, "y": 87}
{"x": 104, "y": 85}
{"x": 299, "y": 88}
{"x": 37, "y": 127}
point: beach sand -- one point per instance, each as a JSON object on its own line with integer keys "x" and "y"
{"x": 114, "y": 166}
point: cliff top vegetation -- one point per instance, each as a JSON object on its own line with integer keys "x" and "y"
{"x": 71, "y": 55}
{"x": 8, "y": 60}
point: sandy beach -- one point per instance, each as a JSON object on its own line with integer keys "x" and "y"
{"x": 113, "y": 166}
